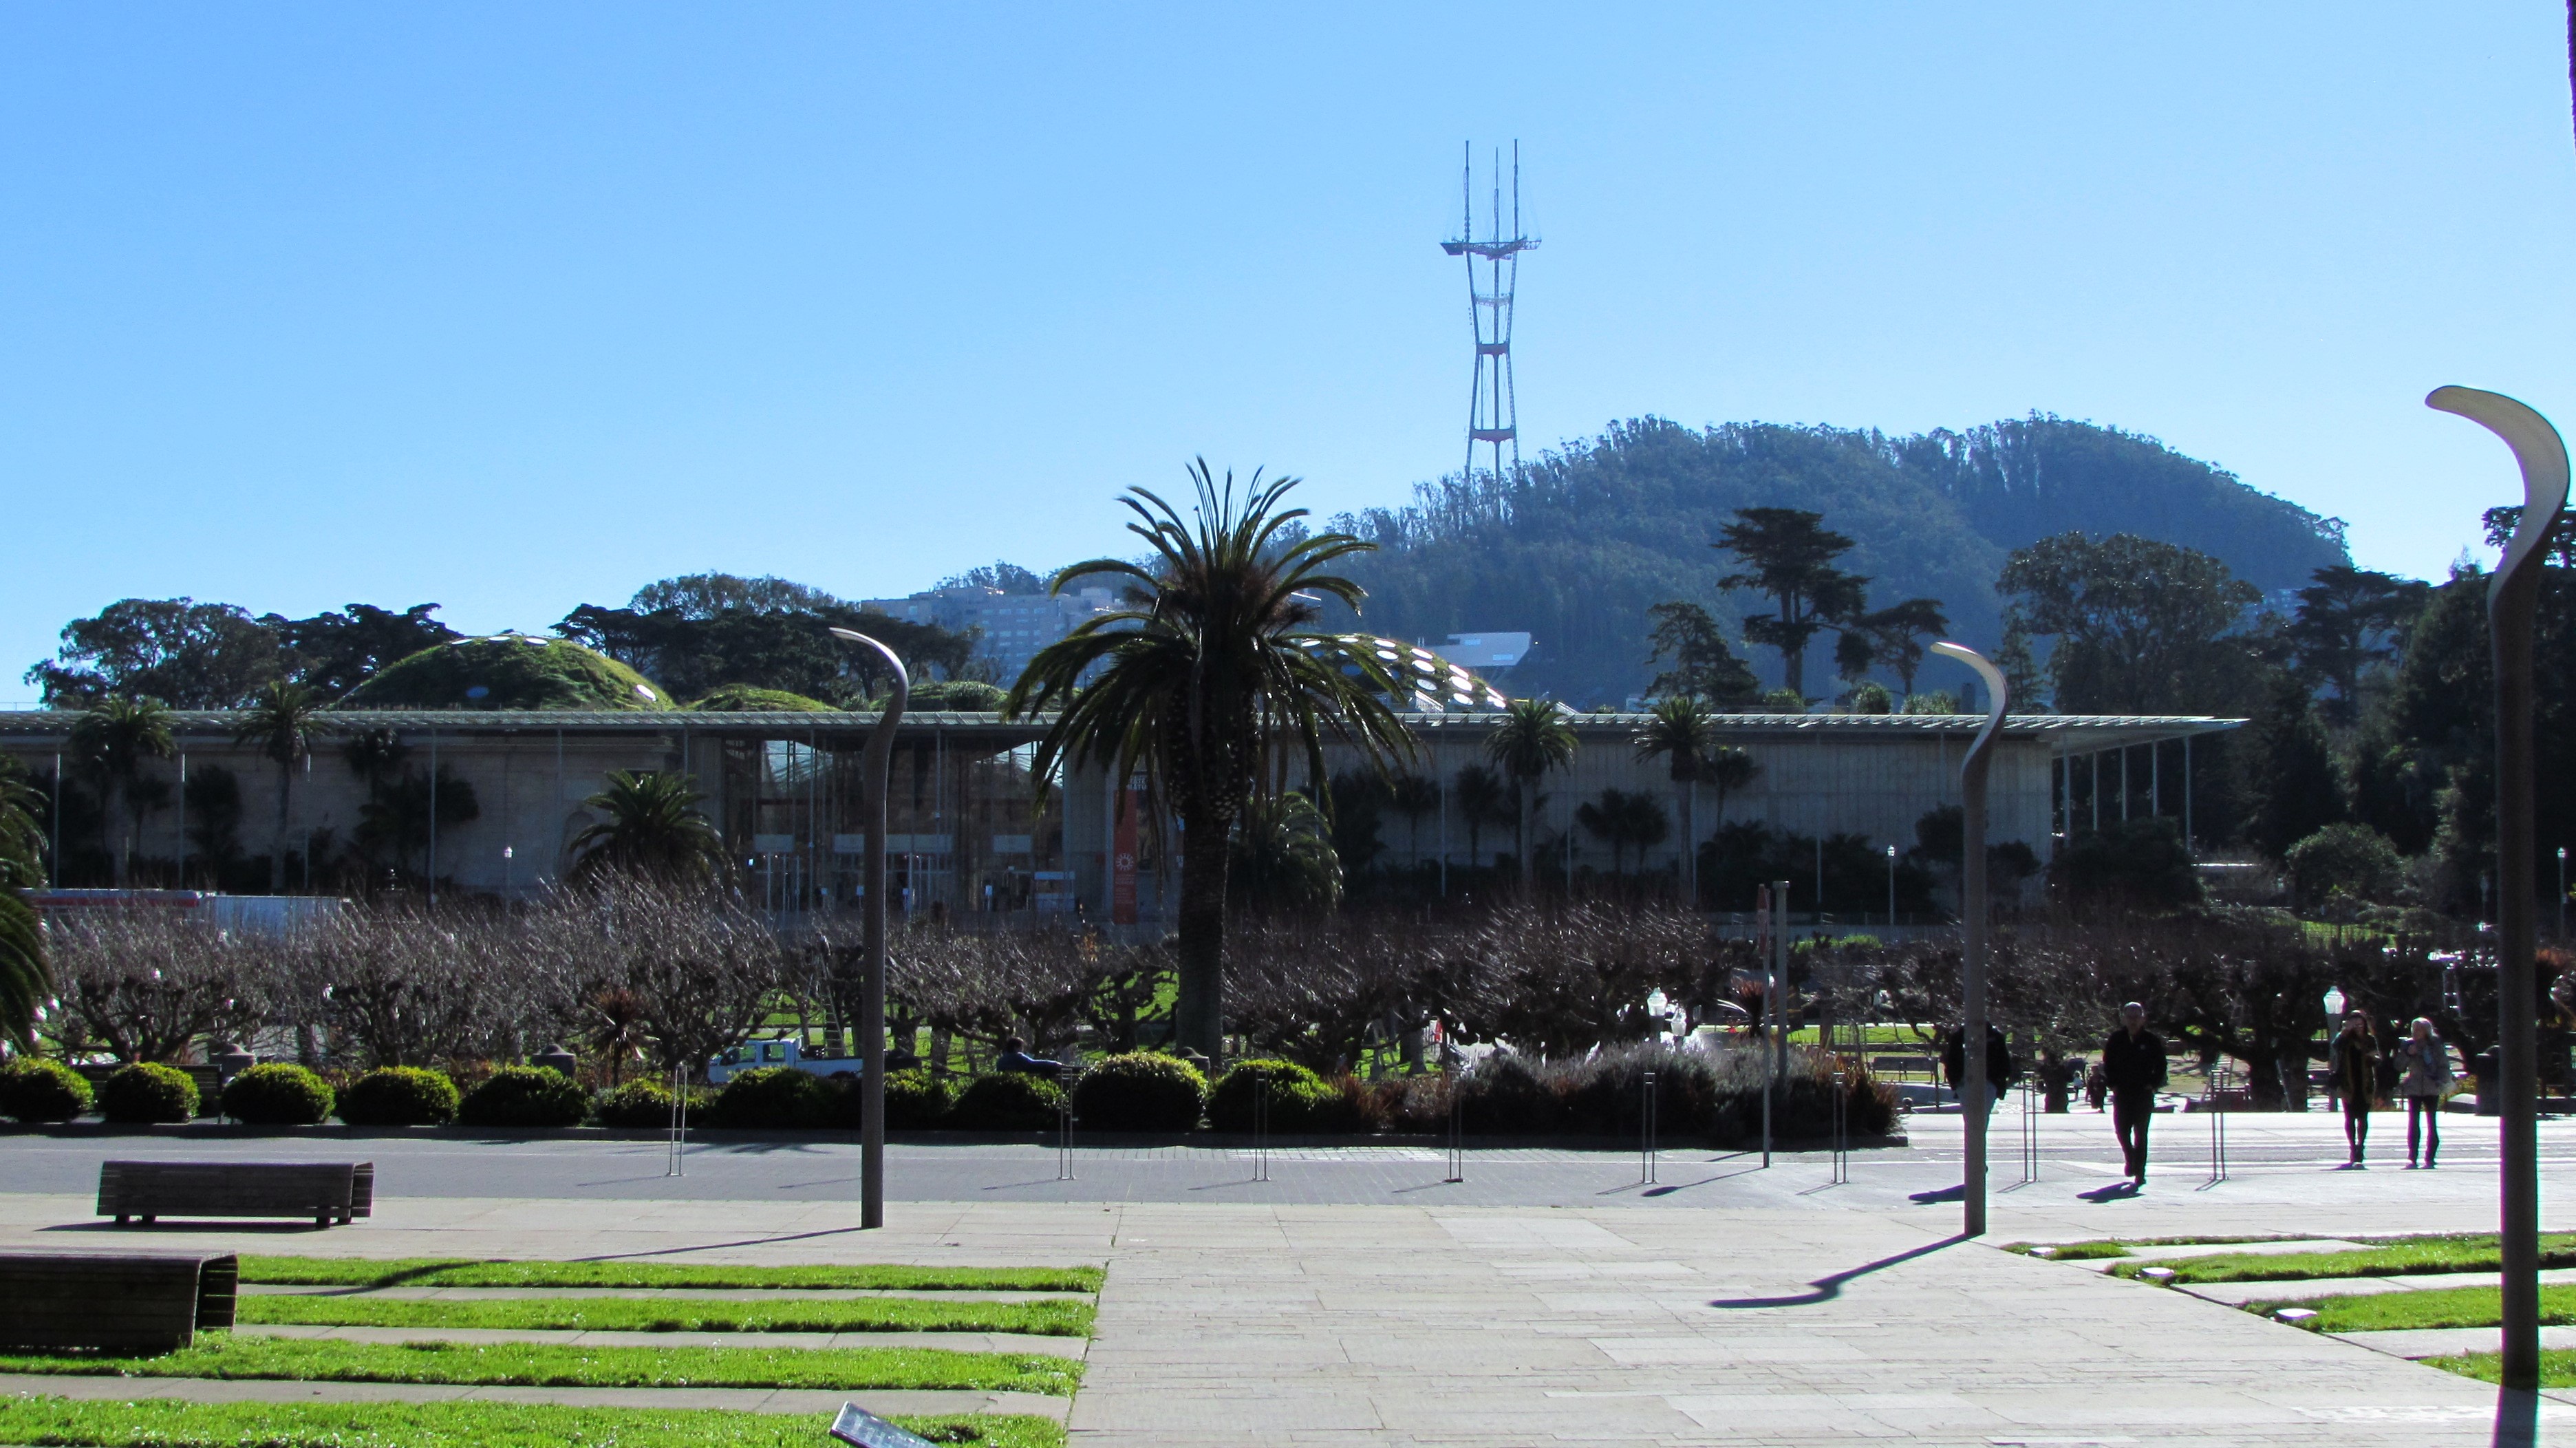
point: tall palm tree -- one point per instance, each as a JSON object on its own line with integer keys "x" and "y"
{"x": 1413, "y": 796}
{"x": 653, "y": 827}
{"x": 283, "y": 720}
{"x": 25, "y": 981}
{"x": 114, "y": 737}
{"x": 1726, "y": 767}
{"x": 1532, "y": 740}
{"x": 1682, "y": 731}
{"x": 1211, "y": 646}
{"x": 1481, "y": 800}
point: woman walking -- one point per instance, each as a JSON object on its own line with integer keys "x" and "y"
{"x": 2426, "y": 1064}
{"x": 2356, "y": 1079}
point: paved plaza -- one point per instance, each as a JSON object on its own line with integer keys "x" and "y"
{"x": 1356, "y": 1298}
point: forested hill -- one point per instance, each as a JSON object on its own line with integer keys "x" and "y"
{"x": 1578, "y": 549}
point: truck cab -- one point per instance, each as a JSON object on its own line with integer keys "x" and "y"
{"x": 787, "y": 1051}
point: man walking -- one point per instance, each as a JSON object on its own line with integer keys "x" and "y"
{"x": 2133, "y": 1063}
{"x": 2355, "y": 1066}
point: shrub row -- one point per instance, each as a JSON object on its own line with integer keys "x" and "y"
{"x": 1714, "y": 1097}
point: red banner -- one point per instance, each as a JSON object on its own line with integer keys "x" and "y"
{"x": 1122, "y": 858}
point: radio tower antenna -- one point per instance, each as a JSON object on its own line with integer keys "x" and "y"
{"x": 1493, "y": 410}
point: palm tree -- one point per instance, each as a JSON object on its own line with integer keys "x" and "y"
{"x": 25, "y": 981}
{"x": 1682, "y": 731}
{"x": 1623, "y": 819}
{"x": 283, "y": 720}
{"x": 1284, "y": 861}
{"x": 114, "y": 737}
{"x": 1211, "y": 647}
{"x": 1481, "y": 800}
{"x": 653, "y": 827}
{"x": 1413, "y": 796}
{"x": 1727, "y": 767}
{"x": 1532, "y": 739}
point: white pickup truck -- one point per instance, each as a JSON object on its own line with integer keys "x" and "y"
{"x": 784, "y": 1051}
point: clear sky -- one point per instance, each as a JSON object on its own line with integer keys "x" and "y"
{"x": 518, "y": 306}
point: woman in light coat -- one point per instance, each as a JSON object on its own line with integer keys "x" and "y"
{"x": 2424, "y": 1078}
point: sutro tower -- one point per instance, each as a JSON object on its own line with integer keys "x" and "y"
{"x": 1493, "y": 414}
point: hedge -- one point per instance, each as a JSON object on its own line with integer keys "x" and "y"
{"x": 1008, "y": 1101}
{"x": 278, "y": 1094}
{"x": 33, "y": 1088}
{"x": 148, "y": 1092}
{"x": 399, "y": 1096}
{"x": 915, "y": 1100}
{"x": 524, "y": 1096}
{"x": 1140, "y": 1091}
{"x": 1300, "y": 1100}
{"x": 778, "y": 1098}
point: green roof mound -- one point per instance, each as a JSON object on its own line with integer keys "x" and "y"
{"x": 751, "y": 699}
{"x": 511, "y": 671}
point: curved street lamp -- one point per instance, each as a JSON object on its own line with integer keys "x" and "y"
{"x": 875, "y": 768}
{"x": 2513, "y": 598}
{"x": 1973, "y": 909}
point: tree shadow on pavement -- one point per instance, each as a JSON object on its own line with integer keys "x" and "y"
{"x": 1830, "y": 1287}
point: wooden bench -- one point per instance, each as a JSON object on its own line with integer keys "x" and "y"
{"x": 117, "y": 1302}
{"x": 326, "y": 1191}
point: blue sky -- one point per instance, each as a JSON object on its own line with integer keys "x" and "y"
{"x": 515, "y": 307}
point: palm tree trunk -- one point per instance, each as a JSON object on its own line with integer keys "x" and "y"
{"x": 277, "y": 847}
{"x": 124, "y": 818}
{"x": 1521, "y": 840}
{"x": 1198, "y": 1008}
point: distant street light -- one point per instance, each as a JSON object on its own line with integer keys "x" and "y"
{"x": 2513, "y": 599}
{"x": 1973, "y": 909}
{"x": 876, "y": 767}
{"x": 1891, "y": 885}
{"x": 2562, "y": 894}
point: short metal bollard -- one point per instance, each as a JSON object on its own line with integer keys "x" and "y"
{"x": 1646, "y": 1145}
{"x": 1065, "y": 1081}
{"x": 860, "y": 1428}
{"x": 676, "y": 1162}
{"x": 1457, "y": 1131}
{"x": 1842, "y": 1127}
{"x": 1261, "y": 1125}
{"x": 2029, "y": 1134}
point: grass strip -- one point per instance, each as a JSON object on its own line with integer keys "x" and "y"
{"x": 684, "y": 1314}
{"x": 2557, "y": 1367}
{"x": 2398, "y": 1255}
{"x": 2433, "y": 1307}
{"x": 64, "y": 1423}
{"x": 468, "y": 1272}
{"x": 554, "y": 1365}
{"x": 2071, "y": 1251}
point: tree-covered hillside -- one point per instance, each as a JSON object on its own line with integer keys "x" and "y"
{"x": 1578, "y": 548}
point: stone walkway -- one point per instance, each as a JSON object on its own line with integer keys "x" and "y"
{"x": 1762, "y": 1308}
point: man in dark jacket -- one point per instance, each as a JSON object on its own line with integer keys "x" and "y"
{"x": 2133, "y": 1062}
{"x": 1999, "y": 1066}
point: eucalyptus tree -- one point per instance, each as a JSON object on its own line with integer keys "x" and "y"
{"x": 114, "y": 737}
{"x": 283, "y": 720}
{"x": 1532, "y": 741}
{"x": 1213, "y": 642}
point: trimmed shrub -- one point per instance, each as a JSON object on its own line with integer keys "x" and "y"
{"x": 1007, "y": 1101}
{"x": 915, "y": 1100}
{"x": 776, "y": 1098}
{"x": 1508, "y": 1095}
{"x": 645, "y": 1103}
{"x": 1141, "y": 1091}
{"x": 399, "y": 1096}
{"x": 148, "y": 1092}
{"x": 33, "y": 1088}
{"x": 1300, "y": 1100}
{"x": 523, "y": 1096}
{"x": 278, "y": 1094}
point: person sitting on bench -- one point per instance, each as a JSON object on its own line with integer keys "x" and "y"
{"x": 1015, "y": 1057}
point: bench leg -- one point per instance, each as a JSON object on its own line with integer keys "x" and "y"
{"x": 122, "y": 1218}
{"x": 149, "y": 1219}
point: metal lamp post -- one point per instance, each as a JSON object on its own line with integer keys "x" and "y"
{"x": 876, "y": 767}
{"x": 1891, "y": 887}
{"x": 1973, "y": 909}
{"x": 2513, "y": 598}
{"x": 2562, "y": 894}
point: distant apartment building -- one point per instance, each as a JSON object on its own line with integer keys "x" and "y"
{"x": 1014, "y": 626}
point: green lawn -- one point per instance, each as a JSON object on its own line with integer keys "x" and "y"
{"x": 157, "y": 1424}
{"x": 223, "y": 1355}
{"x": 2439, "y": 1307}
{"x": 466, "y": 1272}
{"x": 1055, "y": 1318}
{"x": 2557, "y": 1367}
{"x": 2471, "y": 1253}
